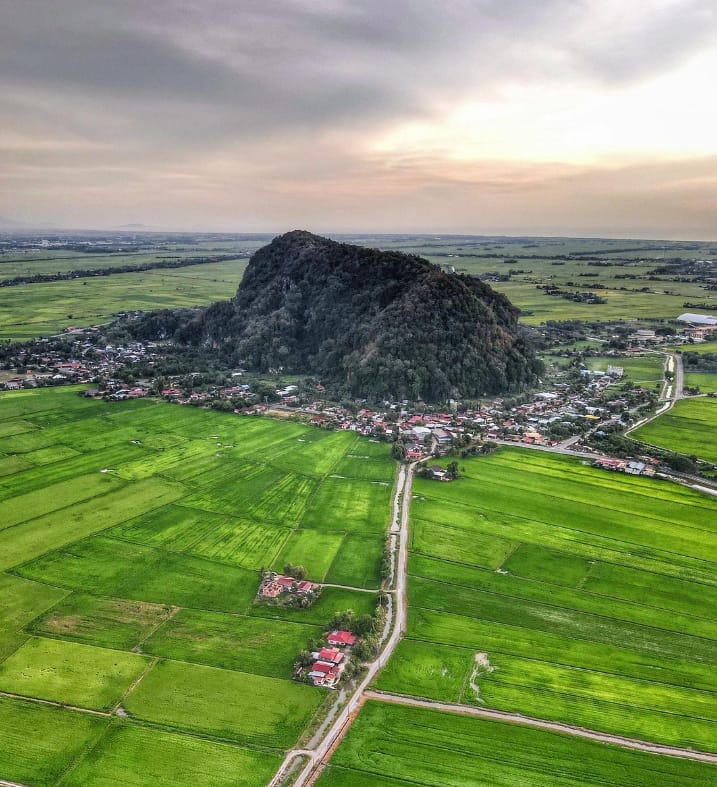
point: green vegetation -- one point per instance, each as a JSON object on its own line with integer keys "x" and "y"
{"x": 69, "y": 673}
{"x": 151, "y": 758}
{"x": 230, "y": 705}
{"x": 689, "y": 428}
{"x": 348, "y": 505}
{"x": 356, "y": 563}
{"x": 392, "y": 745}
{"x": 45, "y": 308}
{"x": 564, "y": 609}
{"x": 40, "y": 742}
{"x": 705, "y": 381}
{"x": 313, "y": 550}
{"x": 247, "y": 644}
{"x": 111, "y": 568}
{"x": 94, "y": 620}
{"x": 131, "y": 555}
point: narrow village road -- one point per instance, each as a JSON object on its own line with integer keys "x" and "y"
{"x": 398, "y": 611}
{"x": 529, "y": 721}
{"x": 348, "y": 587}
{"x": 679, "y": 376}
{"x": 671, "y": 392}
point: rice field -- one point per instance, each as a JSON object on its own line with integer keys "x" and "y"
{"x": 598, "y": 614}
{"x": 690, "y": 427}
{"x": 45, "y": 308}
{"x": 389, "y": 745}
{"x": 705, "y": 381}
{"x": 645, "y": 370}
{"x": 131, "y": 542}
{"x": 130, "y": 754}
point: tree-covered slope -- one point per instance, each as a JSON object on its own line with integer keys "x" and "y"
{"x": 372, "y": 323}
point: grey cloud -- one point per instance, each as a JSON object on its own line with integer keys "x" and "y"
{"x": 655, "y": 42}
{"x": 141, "y": 92}
{"x": 261, "y": 67}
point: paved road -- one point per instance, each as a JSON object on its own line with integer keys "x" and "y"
{"x": 528, "y": 721}
{"x": 671, "y": 392}
{"x": 678, "y": 380}
{"x": 401, "y": 505}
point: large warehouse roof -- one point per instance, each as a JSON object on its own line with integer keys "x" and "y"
{"x": 697, "y": 319}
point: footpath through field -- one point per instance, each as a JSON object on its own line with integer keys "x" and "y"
{"x": 529, "y": 721}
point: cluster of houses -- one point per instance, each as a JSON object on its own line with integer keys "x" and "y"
{"x": 274, "y": 585}
{"x": 47, "y": 362}
{"x": 627, "y": 466}
{"x": 529, "y": 423}
{"x": 329, "y": 662}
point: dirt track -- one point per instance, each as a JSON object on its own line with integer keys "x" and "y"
{"x": 529, "y": 721}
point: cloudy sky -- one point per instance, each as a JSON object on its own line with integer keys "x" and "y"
{"x": 484, "y": 116}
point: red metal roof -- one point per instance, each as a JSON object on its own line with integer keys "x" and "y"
{"x": 320, "y": 666}
{"x": 331, "y": 654}
{"x": 341, "y": 638}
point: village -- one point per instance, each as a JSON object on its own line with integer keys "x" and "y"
{"x": 322, "y": 667}
{"x": 575, "y": 401}
{"x": 568, "y": 409}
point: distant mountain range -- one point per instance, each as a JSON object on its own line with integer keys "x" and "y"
{"x": 370, "y": 323}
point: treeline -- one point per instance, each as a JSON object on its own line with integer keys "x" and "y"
{"x": 578, "y": 297}
{"x": 700, "y": 362}
{"x": 710, "y": 307}
{"x": 86, "y": 273}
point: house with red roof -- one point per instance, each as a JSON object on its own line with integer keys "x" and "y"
{"x": 341, "y": 638}
{"x": 324, "y": 674}
{"x": 330, "y": 655}
{"x": 304, "y": 586}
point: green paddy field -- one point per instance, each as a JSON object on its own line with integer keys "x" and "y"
{"x": 132, "y": 652}
{"x": 542, "y": 586}
{"x": 131, "y": 542}
{"x": 690, "y": 427}
{"x": 390, "y": 745}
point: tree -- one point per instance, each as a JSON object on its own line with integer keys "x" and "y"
{"x": 342, "y": 620}
{"x": 297, "y": 572}
{"x": 365, "y": 649}
{"x": 305, "y": 658}
{"x": 680, "y": 463}
{"x": 398, "y": 451}
{"x": 364, "y": 625}
{"x": 452, "y": 470}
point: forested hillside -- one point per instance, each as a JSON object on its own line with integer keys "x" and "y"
{"x": 371, "y": 323}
